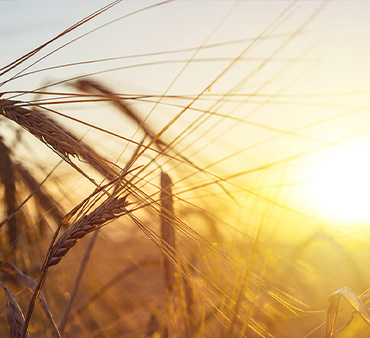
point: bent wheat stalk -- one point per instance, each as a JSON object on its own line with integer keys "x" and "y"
{"x": 90, "y": 86}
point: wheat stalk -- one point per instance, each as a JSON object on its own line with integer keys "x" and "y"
{"x": 8, "y": 179}
{"x": 168, "y": 239}
{"x": 167, "y": 228}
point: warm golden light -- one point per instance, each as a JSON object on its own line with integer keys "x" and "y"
{"x": 341, "y": 183}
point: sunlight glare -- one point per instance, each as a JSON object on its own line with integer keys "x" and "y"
{"x": 341, "y": 183}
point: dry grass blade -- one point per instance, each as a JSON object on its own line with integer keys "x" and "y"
{"x": 351, "y": 298}
{"x": 14, "y": 315}
{"x": 31, "y": 285}
{"x": 107, "y": 211}
{"x": 8, "y": 180}
{"x": 55, "y": 136}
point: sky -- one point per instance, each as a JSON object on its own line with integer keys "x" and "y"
{"x": 340, "y": 31}
{"x": 317, "y": 73}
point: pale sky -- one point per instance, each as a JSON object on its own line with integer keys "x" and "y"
{"x": 334, "y": 47}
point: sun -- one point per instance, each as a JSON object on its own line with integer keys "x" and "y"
{"x": 340, "y": 188}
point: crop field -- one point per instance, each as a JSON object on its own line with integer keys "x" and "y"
{"x": 178, "y": 169}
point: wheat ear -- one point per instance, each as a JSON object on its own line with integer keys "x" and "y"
{"x": 31, "y": 285}
{"x": 55, "y": 136}
{"x": 14, "y": 315}
{"x": 109, "y": 210}
{"x": 52, "y": 247}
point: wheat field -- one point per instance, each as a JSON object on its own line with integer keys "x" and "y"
{"x": 184, "y": 169}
